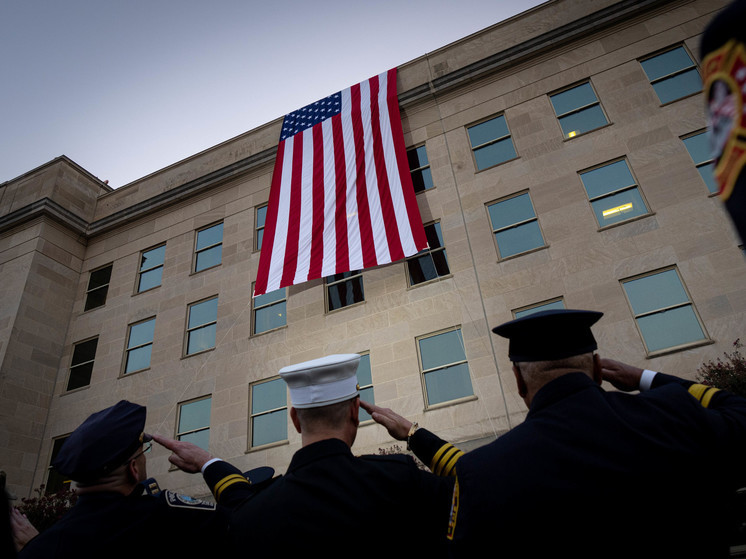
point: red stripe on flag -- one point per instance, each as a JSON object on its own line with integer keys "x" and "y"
{"x": 317, "y": 231}
{"x": 270, "y": 221}
{"x": 363, "y": 209}
{"x": 384, "y": 189}
{"x": 340, "y": 214}
{"x": 291, "y": 246}
{"x": 410, "y": 198}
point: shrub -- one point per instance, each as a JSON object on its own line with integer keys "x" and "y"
{"x": 728, "y": 373}
{"x": 47, "y": 508}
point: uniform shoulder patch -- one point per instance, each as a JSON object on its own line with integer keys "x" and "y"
{"x": 177, "y": 500}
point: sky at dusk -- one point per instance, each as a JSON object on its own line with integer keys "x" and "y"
{"x": 125, "y": 88}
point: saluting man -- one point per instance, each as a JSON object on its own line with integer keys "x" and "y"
{"x": 591, "y": 473}
{"x": 329, "y": 501}
{"x": 119, "y": 511}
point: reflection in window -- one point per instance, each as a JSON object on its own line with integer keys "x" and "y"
{"x": 81, "y": 366}
{"x": 151, "y": 268}
{"x": 419, "y": 167}
{"x": 663, "y": 311}
{"x": 269, "y": 422}
{"x": 261, "y": 218}
{"x": 209, "y": 248}
{"x": 139, "y": 346}
{"x": 491, "y": 142}
{"x": 548, "y": 306}
{"x": 98, "y": 287}
{"x": 613, "y": 193}
{"x": 365, "y": 384}
{"x": 672, "y": 74}
{"x": 194, "y": 422}
{"x": 55, "y": 480}
{"x": 202, "y": 326}
{"x": 343, "y": 290}
{"x": 269, "y": 311}
{"x": 432, "y": 262}
{"x": 578, "y": 110}
{"x": 515, "y": 225}
{"x": 444, "y": 367}
{"x": 698, "y": 147}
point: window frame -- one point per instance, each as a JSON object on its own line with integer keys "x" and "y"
{"x": 257, "y": 227}
{"x": 421, "y": 169}
{"x": 493, "y": 141}
{"x": 128, "y": 349}
{"x": 73, "y": 364}
{"x": 673, "y": 74}
{"x": 51, "y": 469}
{"x": 254, "y": 308}
{"x": 354, "y": 274}
{"x": 569, "y": 135}
{"x": 180, "y": 406}
{"x": 105, "y": 287}
{"x": 698, "y": 165}
{"x": 198, "y": 251}
{"x": 615, "y": 191}
{"x": 429, "y": 252}
{"x": 253, "y": 415}
{"x": 538, "y": 307}
{"x": 487, "y": 206}
{"x": 371, "y": 386}
{"x": 188, "y": 330}
{"x": 141, "y": 271}
{"x": 424, "y": 373}
{"x": 690, "y": 303}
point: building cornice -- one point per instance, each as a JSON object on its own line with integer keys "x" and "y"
{"x": 45, "y": 207}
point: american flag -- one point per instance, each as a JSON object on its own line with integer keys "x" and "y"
{"x": 341, "y": 197}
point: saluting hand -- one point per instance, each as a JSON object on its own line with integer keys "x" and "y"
{"x": 397, "y": 426}
{"x": 186, "y": 456}
{"x": 620, "y": 375}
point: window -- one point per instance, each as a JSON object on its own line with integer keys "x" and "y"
{"x": 663, "y": 311}
{"x": 672, "y": 74}
{"x": 613, "y": 193}
{"x": 81, "y": 365}
{"x": 547, "y": 306}
{"x": 343, "y": 290}
{"x": 209, "y": 248}
{"x": 151, "y": 268}
{"x": 699, "y": 149}
{"x": 491, "y": 142}
{"x": 444, "y": 367}
{"x": 55, "y": 480}
{"x": 365, "y": 385}
{"x": 515, "y": 225}
{"x": 201, "y": 326}
{"x": 419, "y": 167}
{"x": 578, "y": 110}
{"x": 430, "y": 263}
{"x": 261, "y": 218}
{"x": 269, "y": 311}
{"x": 194, "y": 422}
{"x": 98, "y": 287}
{"x": 139, "y": 346}
{"x": 269, "y": 418}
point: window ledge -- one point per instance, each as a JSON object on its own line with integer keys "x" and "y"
{"x": 449, "y": 403}
{"x": 678, "y": 348}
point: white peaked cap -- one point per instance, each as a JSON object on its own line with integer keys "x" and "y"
{"x": 323, "y": 381}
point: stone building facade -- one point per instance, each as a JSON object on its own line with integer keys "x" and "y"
{"x": 560, "y": 160}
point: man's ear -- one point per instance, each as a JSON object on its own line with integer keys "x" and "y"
{"x": 597, "y": 376}
{"x": 294, "y": 419}
{"x": 355, "y": 410}
{"x": 522, "y": 388}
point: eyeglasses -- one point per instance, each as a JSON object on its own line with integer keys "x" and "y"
{"x": 145, "y": 449}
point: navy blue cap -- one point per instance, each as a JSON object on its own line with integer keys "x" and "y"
{"x": 550, "y": 335}
{"x": 102, "y": 443}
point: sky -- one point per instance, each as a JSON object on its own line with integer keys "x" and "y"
{"x": 127, "y": 87}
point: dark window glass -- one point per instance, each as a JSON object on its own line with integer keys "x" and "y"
{"x": 419, "y": 167}
{"x": 491, "y": 142}
{"x": 578, "y": 110}
{"x": 98, "y": 288}
{"x": 81, "y": 366}
{"x": 672, "y": 74}
{"x": 698, "y": 147}
{"x": 55, "y": 480}
{"x": 209, "y": 249}
{"x": 269, "y": 311}
{"x": 515, "y": 225}
{"x": 151, "y": 268}
{"x": 202, "y": 326}
{"x": 268, "y": 412}
{"x": 613, "y": 193}
{"x": 432, "y": 262}
{"x": 344, "y": 290}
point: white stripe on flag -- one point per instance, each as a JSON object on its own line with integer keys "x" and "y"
{"x": 328, "y": 266}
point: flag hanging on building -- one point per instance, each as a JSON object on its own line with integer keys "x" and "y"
{"x": 341, "y": 197}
